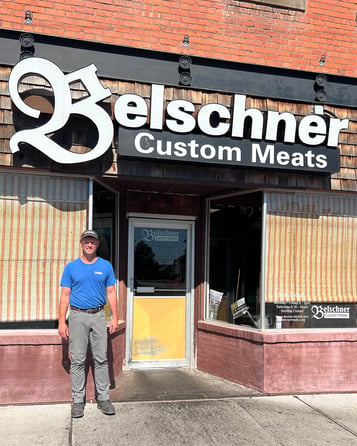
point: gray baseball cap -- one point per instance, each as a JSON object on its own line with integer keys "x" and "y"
{"x": 89, "y": 233}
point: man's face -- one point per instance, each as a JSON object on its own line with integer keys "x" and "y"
{"x": 89, "y": 245}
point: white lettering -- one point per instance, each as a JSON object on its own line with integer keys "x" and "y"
{"x": 321, "y": 161}
{"x": 130, "y": 110}
{"x": 183, "y": 121}
{"x": 283, "y": 158}
{"x": 226, "y": 152}
{"x": 239, "y": 116}
{"x": 204, "y": 119}
{"x": 336, "y": 125}
{"x": 142, "y": 144}
{"x": 312, "y": 130}
{"x": 146, "y": 144}
{"x": 157, "y": 107}
{"x": 207, "y": 151}
{"x": 297, "y": 159}
{"x": 180, "y": 149}
{"x": 181, "y": 116}
{"x": 64, "y": 107}
{"x": 273, "y": 120}
{"x": 258, "y": 156}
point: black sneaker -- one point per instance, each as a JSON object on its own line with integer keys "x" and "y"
{"x": 106, "y": 407}
{"x": 77, "y": 410}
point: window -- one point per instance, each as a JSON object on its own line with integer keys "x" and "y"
{"x": 311, "y": 260}
{"x": 42, "y": 217}
{"x": 302, "y": 274}
{"x": 235, "y": 228}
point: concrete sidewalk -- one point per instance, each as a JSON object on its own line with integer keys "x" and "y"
{"x": 269, "y": 420}
{"x": 185, "y": 407}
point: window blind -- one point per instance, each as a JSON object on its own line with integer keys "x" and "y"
{"x": 311, "y": 248}
{"x": 41, "y": 221}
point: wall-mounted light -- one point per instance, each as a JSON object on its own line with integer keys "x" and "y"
{"x": 28, "y": 16}
{"x": 186, "y": 40}
{"x": 320, "y": 85}
{"x": 27, "y": 43}
{"x": 184, "y": 70}
{"x": 322, "y": 60}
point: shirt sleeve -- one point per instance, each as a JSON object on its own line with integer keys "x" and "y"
{"x": 66, "y": 277}
{"x": 111, "y": 280}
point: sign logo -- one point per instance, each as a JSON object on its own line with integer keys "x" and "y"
{"x": 160, "y": 235}
{"x": 330, "y": 312}
{"x": 63, "y": 109}
{"x": 176, "y": 130}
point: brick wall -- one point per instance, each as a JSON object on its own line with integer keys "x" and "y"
{"x": 221, "y": 29}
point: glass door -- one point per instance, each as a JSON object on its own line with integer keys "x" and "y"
{"x": 160, "y": 290}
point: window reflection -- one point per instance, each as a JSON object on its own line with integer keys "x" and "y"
{"x": 160, "y": 257}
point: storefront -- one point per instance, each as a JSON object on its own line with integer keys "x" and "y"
{"x": 232, "y": 231}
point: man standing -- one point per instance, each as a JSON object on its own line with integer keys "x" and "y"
{"x": 87, "y": 283}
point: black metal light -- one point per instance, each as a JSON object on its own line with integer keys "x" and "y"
{"x": 185, "y": 70}
{"x": 320, "y": 84}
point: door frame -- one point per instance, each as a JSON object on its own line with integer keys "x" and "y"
{"x": 182, "y": 222}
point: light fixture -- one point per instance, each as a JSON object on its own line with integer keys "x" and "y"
{"x": 184, "y": 69}
{"x": 186, "y": 40}
{"x": 28, "y": 16}
{"x": 320, "y": 85}
{"x": 322, "y": 60}
{"x": 185, "y": 63}
{"x": 27, "y": 42}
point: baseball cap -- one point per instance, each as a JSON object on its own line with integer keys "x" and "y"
{"x": 90, "y": 233}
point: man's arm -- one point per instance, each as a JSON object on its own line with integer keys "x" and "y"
{"x": 112, "y": 301}
{"x": 63, "y": 307}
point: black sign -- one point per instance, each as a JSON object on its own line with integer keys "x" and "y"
{"x": 198, "y": 148}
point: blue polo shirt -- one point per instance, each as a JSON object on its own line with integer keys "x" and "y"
{"x": 88, "y": 282}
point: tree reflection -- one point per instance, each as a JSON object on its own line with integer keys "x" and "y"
{"x": 146, "y": 266}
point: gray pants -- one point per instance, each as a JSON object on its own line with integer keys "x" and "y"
{"x": 84, "y": 328}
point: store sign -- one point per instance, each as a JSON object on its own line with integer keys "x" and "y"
{"x": 176, "y": 131}
{"x": 160, "y": 235}
{"x": 330, "y": 312}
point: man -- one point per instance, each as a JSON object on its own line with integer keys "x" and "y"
{"x": 87, "y": 283}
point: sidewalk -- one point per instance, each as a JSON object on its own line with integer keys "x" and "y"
{"x": 200, "y": 411}
{"x": 277, "y": 420}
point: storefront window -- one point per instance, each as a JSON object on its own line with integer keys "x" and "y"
{"x": 303, "y": 270}
{"x": 41, "y": 219}
{"x": 311, "y": 260}
{"x": 235, "y": 228}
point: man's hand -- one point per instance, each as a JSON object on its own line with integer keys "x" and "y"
{"x": 63, "y": 330}
{"x": 63, "y": 306}
{"x": 113, "y": 325}
{"x": 112, "y": 301}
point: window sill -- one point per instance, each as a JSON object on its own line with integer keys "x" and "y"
{"x": 38, "y": 337}
{"x": 274, "y": 336}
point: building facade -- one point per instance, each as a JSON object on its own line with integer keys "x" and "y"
{"x": 214, "y": 148}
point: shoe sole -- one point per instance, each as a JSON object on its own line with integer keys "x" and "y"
{"x": 106, "y": 413}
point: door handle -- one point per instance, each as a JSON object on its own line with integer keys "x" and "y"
{"x": 145, "y": 289}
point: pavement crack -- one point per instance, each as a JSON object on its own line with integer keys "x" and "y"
{"x": 70, "y": 432}
{"x": 324, "y": 414}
